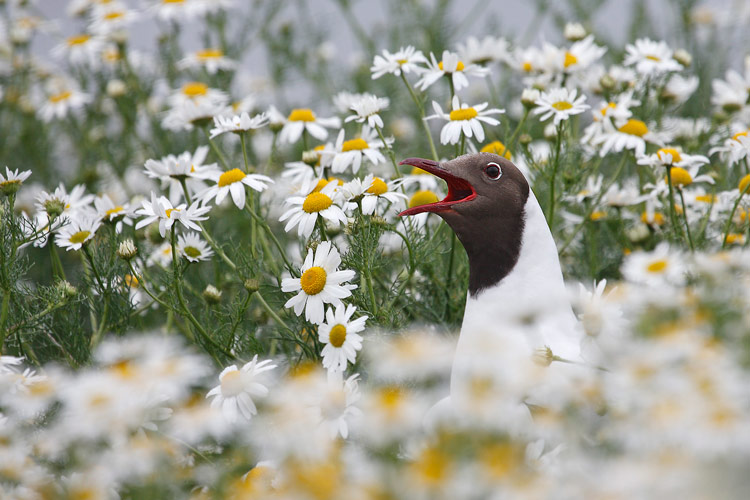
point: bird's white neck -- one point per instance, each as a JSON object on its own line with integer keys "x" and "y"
{"x": 533, "y": 293}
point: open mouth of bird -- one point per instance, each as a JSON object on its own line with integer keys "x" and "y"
{"x": 459, "y": 190}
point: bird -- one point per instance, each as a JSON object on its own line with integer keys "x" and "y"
{"x": 514, "y": 268}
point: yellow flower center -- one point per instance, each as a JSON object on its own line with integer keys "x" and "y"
{"x": 705, "y": 198}
{"x": 402, "y": 61}
{"x": 209, "y": 54}
{"x": 230, "y": 177}
{"x": 423, "y": 197}
{"x": 357, "y": 144}
{"x": 744, "y": 183}
{"x": 78, "y": 39}
{"x": 657, "y": 266}
{"x": 10, "y": 182}
{"x": 315, "y": 202}
{"x": 634, "y": 127}
{"x": 497, "y": 148}
{"x": 313, "y": 281}
{"x": 419, "y": 171}
{"x": 459, "y": 67}
{"x": 676, "y": 156}
{"x": 301, "y": 115}
{"x": 62, "y": 96}
{"x": 194, "y": 89}
{"x": 737, "y": 136}
{"x": 570, "y": 59}
{"x": 562, "y": 105}
{"x": 501, "y": 459}
{"x": 735, "y": 238}
{"x": 390, "y": 398}
{"x": 463, "y": 114}
{"x": 432, "y": 466}
{"x": 320, "y": 185}
{"x": 172, "y": 1}
{"x": 681, "y": 177}
{"x": 79, "y": 237}
{"x": 169, "y": 212}
{"x": 609, "y": 106}
{"x": 598, "y": 215}
{"x": 131, "y": 281}
{"x": 526, "y": 66}
{"x": 113, "y": 211}
{"x": 657, "y": 219}
{"x": 192, "y": 252}
{"x": 378, "y": 187}
{"x": 337, "y": 335}
{"x": 113, "y": 15}
{"x": 653, "y": 58}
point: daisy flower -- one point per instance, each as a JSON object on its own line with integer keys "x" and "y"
{"x": 161, "y": 255}
{"x": 171, "y": 169}
{"x": 237, "y": 388}
{"x": 212, "y": 60}
{"x": 581, "y": 55}
{"x": 630, "y": 134}
{"x": 194, "y": 102}
{"x": 161, "y": 209}
{"x": 488, "y": 50}
{"x": 561, "y": 104}
{"x": 61, "y": 202}
{"x": 340, "y": 336}
{"x": 12, "y": 180}
{"x": 352, "y": 152}
{"x": 650, "y": 57}
{"x": 734, "y": 149}
{"x": 233, "y": 182}
{"x": 238, "y": 123}
{"x": 666, "y": 157}
{"x": 367, "y": 108}
{"x": 72, "y": 236}
{"x": 689, "y": 174}
{"x": 303, "y": 119}
{"x": 732, "y": 94}
{"x": 371, "y": 189}
{"x": 82, "y": 49}
{"x": 405, "y": 60}
{"x": 464, "y": 119}
{"x": 60, "y": 101}
{"x": 321, "y": 283}
{"x": 108, "y": 211}
{"x": 450, "y": 66}
{"x": 107, "y": 18}
{"x": 660, "y": 266}
{"x": 193, "y": 248}
{"x": 306, "y": 210}
{"x": 337, "y": 406}
{"x": 174, "y": 10}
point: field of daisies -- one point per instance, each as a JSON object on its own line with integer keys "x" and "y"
{"x": 207, "y": 290}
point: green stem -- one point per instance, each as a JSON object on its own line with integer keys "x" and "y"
{"x": 728, "y": 225}
{"x": 4, "y": 317}
{"x": 511, "y": 146}
{"x": 555, "y": 166}
{"x": 687, "y": 226}
{"x": 420, "y": 107}
{"x": 216, "y": 150}
{"x": 672, "y": 215}
{"x": 388, "y": 148}
{"x": 275, "y": 240}
{"x": 184, "y": 306}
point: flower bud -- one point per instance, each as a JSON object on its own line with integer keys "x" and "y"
{"x": 65, "y": 289}
{"x": 54, "y": 207}
{"x": 127, "y": 250}
{"x": 251, "y": 285}
{"x": 310, "y": 157}
{"x": 683, "y": 57}
{"x": 529, "y": 98}
{"x": 212, "y": 295}
{"x": 524, "y": 139}
{"x": 607, "y": 82}
{"x": 574, "y": 32}
{"x": 116, "y": 88}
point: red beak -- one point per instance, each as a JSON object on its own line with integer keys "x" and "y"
{"x": 459, "y": 190}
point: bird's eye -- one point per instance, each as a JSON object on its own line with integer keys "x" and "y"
{"x": 493, "y": 171}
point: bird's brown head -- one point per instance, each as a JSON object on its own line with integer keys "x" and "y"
{"x": 485, "y": 206}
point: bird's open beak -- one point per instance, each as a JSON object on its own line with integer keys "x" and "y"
{"x": 459, "y": 190}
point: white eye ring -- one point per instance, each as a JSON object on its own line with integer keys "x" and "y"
{"x": 494, "y": 176}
